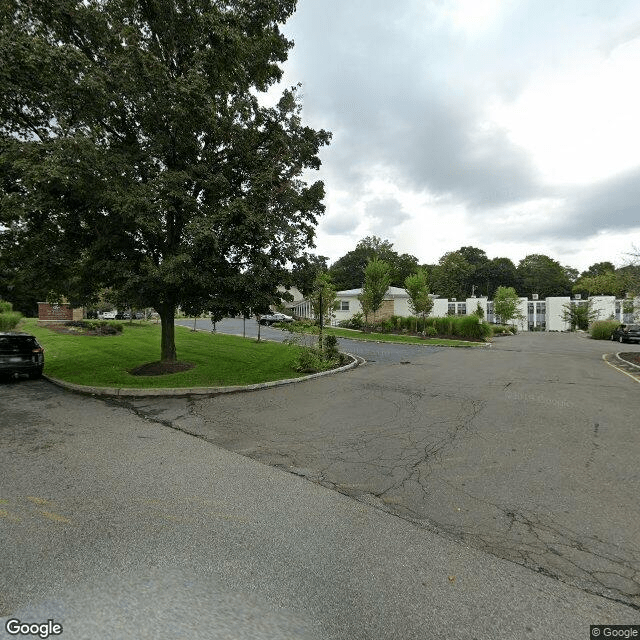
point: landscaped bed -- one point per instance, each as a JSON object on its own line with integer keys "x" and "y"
{"x": 353, "y": 334}
{"x": 210, "y": 360}
{"x": 633, "y": 357}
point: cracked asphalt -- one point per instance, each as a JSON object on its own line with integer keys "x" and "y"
{"x": 527, "y": 450}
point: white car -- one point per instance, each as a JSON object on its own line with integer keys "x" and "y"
{"x": 272, "y": 318}
{"x": 109, "y": 315}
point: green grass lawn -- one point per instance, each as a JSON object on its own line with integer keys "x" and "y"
{"x": 392, "y": 337}
{"x": 104, "y": 361}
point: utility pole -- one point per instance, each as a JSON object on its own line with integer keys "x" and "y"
{"x": 321, "y": 319}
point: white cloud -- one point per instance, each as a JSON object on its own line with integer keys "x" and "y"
{"x": 505, "y": 125}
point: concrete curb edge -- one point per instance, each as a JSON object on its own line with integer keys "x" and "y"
{"x": 634, "y": 376}
{"x": 630, "y": 364}
{"x": 123, "y": 392}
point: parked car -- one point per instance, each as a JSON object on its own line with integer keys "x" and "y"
{"x": 272, "y": 318}
{"x": 626, "y": 333}
{"x": 109, "y": 315}
{"x": 20, "y": 353}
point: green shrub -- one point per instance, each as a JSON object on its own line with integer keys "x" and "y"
{"x": 387, "y": 326}
{"x": 103, "y": 327}
{"x": 5, "y": 307}
{"x": 430, "y": 331}
{"x": 331, "y": 347}
{"x": 471, "y": 327}
{"x": 603, "y": 329}
{"x": 356, "y": 321}
{"x": 9, "y": 320}
{"x": 502, "y": 329}
{"x": 311, "y": 360}
{"x": 444, "y": 326}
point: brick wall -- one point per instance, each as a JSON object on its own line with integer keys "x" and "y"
{"x": 385, "y": 311}
{"x": 62, "y": 311}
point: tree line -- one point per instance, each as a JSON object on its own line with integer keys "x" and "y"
{"x": 469, "y": 271}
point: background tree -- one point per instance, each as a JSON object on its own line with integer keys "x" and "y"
{"x": 506, "y": 304}
{"x": 541, "y": 274}
{"x": 420, "y": 301}
{"x": 498, "y": 272}
{"x": 348, "y": 271}
{"x": 306, "y": 271}
{"x": 376, "y": 285}
{"x": 451, "y": 277}
{"x": 133, "y": 148}
{"x": 605, "y": 283}
{"x": 598, "y": 269}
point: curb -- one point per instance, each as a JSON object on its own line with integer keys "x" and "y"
{"x": 628, "y": 368}
{"x": 124, "y": 392}
{"x": 626, "y": 362}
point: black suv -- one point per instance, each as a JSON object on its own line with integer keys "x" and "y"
{"x": 20, "y": 353}
{"x": 626, "y": 333}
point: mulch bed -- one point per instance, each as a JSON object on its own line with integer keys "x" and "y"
{"x": 161, "y": 368}
{"x": 633, "y": 357}
{"x": 76, "y": 330}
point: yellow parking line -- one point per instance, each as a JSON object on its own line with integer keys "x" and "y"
{"x": 626, "y": 373}
{"x": 11, "y": 518}
{"x": 55, "y": 517}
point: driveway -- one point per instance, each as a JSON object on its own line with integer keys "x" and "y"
{"x": 527, "y": 450}
{"x": 121, "y": 528}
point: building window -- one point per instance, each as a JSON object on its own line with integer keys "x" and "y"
{"x": 344, "y": 305}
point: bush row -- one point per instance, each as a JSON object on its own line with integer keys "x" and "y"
{"x": 603, "y": 329}
{"x": 105, "y": 327}
{"x": 458, "y": 326}
{"x": 9, "y": 318}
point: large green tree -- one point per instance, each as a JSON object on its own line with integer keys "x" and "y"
{"x": 136, "y": 157}
{"x": 452, "y": 275}
{"x": 348, "y": 272}
{"x": 538, "y": 273}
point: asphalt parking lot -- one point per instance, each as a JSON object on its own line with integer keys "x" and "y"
{"x": 527, "y": 450}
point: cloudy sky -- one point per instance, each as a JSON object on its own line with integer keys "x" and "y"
{"x": 509, "y": 125}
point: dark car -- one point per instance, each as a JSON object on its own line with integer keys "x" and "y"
{"x": 626, "y": 333}
{"x": 20, "y": 353}
{"x": 272, "y": 318}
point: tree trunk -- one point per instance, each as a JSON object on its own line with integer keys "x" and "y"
{"x": 167, "y": 313}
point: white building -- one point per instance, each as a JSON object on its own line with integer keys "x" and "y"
{"x": 536, "y": 314}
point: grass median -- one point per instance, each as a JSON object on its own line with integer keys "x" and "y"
{"x": 105, "y": 361}
{"x": 353, "y": 334}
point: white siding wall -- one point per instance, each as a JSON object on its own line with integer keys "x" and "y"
{"x": 402, "y": 307}
{"x": 604, "y": 306}
{"x": 554, "y": 314}
{"x": 472, "y": 305}
{"x": 440, "y": 307}
{"x": 354, "y": 307}
{"x": 523, "y": 309}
